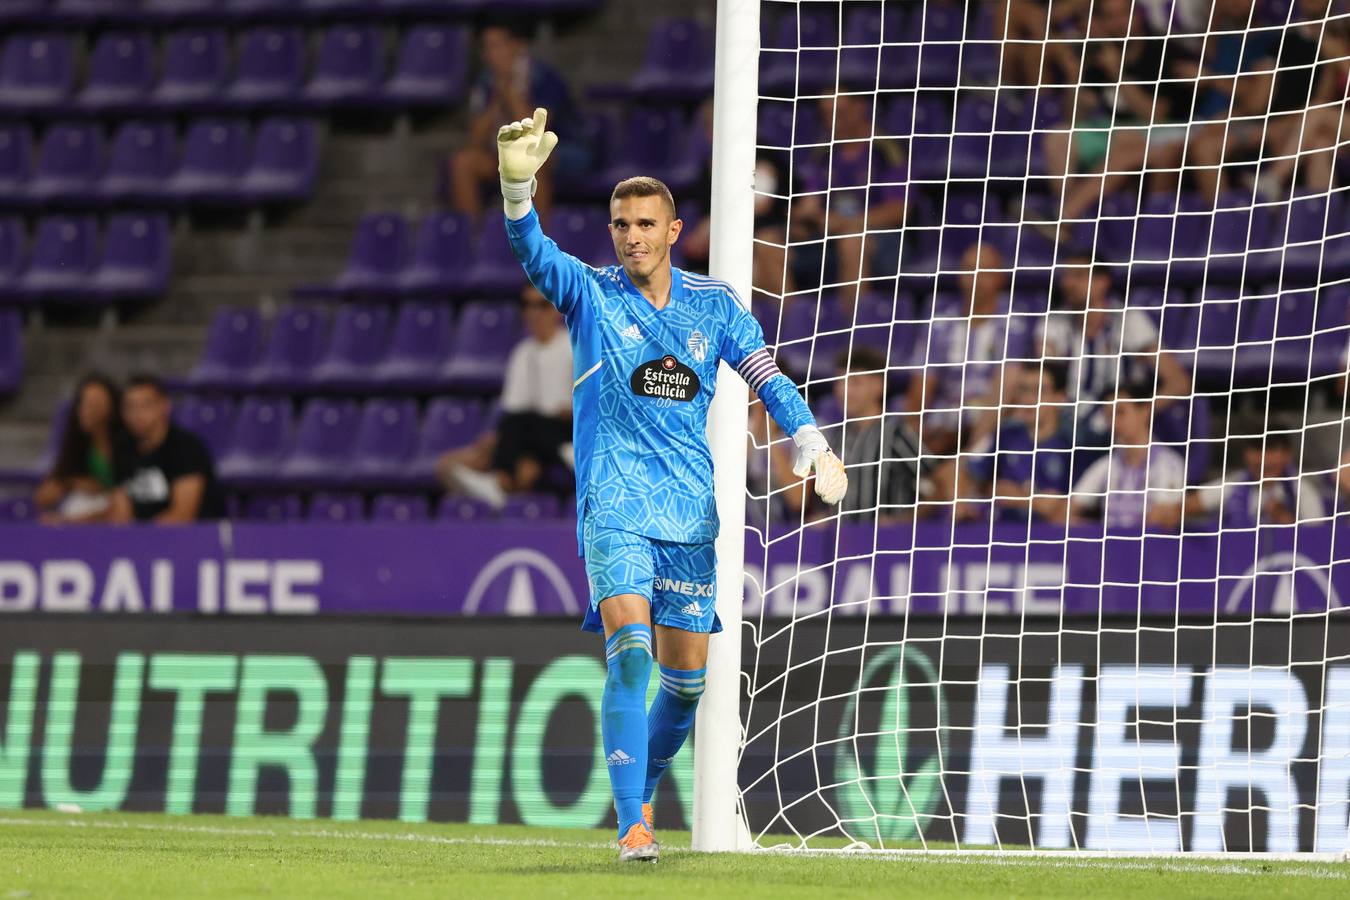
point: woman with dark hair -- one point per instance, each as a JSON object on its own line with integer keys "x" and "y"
{"x": 93, "y": 448}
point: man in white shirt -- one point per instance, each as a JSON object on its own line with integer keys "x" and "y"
{"x": 535, "y": 426}
{"x": 1138, "y": 482}
{"x": 1267, "y": 490}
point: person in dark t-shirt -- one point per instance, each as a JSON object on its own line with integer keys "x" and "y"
{"x": 171, "y": 477}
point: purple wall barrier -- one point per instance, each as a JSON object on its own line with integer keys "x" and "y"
{"x": 490, "y": 569}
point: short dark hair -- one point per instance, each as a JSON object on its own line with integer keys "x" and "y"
{"x": 861, "y": 359}
{"x": 644, "y": 186}
{"x": 1135, "y": 389}
{"x": 146, "y": 380}
{"x": 515, "y": 25}
{"x": 1059, "y": 374}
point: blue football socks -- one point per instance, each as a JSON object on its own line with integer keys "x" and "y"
{"x": 669, "y": 720}
{"x": 623, "y": 715}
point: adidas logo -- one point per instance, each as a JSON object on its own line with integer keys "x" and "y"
{"x": 693, "y": 609}
{"x": 632, "y": 333}
{"x": 619, "y": 758}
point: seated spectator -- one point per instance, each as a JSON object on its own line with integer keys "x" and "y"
{"x": 1138, "y": 483}
{"x": 1026, "y": 465}
{"x": 962, "y": 385}
{"x": 535, "y": 428}
{"x": 94, "y": 447}
{"x": 1133, "y": 100}
{"x": 170, "y": 478}
{"x": 887, "y": 471}
{"x": 1101, "y": 343}
{"x": 1267, "y": 490}
{"x": 854, "y": 187}
{"x": 512, "y": 84}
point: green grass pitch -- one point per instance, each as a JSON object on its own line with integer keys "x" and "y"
{"x": 45, "y": 854}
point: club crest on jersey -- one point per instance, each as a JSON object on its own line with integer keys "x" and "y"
{"x": 665, "y": 379}
{"x": 698, "y": 345}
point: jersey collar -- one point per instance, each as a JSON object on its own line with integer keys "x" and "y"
{"x": 678, "y": 292}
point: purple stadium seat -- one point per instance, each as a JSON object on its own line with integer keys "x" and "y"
{"x": 449, "y": 422}
{"x": 1171, "y": 241}
{"x": 333, "y": 509}
{"x": 784, "y": 124}
{"x": 377, "y": 254}
{"x": 583, "y": 232}
{"x": 264, "y": 431}
{"x": 358, "y": 341}
{"x": 1236, "y": 227}
{"x": 349, "y": 69}
{"x": 981, "y": 52}
{"x": 210, "y": 418}
{"x": 11, "y": 350}
{"x": 531, "y": 507}
{"x": 397, "y": 509}
{"x": 495, "y": 271}
{"x": 678, "y": 65}
{"x": 64, "y": 252}
{"x": 1316, "y": 242}
{"x": 418, "y": 348}
{"x": 273, "y": 508}
{"x": 486, "y": 334}
{"x": 431, "y": 67}
{"x": 385, "y": 442}
{"x": 12, "y": 242}
{"x": 1275, "y": 335}
{"x": 271, "y": 68}
{"x": 656, "y": 142}
{"x": 454, "y": 508}
{"x": 1217, "y": 335}
{"x": 299, "y": 335}
{"x": 68, "y": 163}
{"x": 143, "y": 158}
{"x": 285, "y": 162}
{"x": 215, "y": 153}
{"x": 121, "y": 70}
{"x": 810, "y": 57}
{"x": 940, "y": 27}
{"x": 37, "y": 72}
{"x": 16, "y": 162}
{"x": 20, "y": 10}
{"x": 233, "y": 345}
{"x": 245, "y": 9}
{"x": 137, "y": 256}
{"x": 1332, "y": 338}
{"x": 441, "y": 257}
{"x": 196, "y": 64}
{"x": 323, "y": 444}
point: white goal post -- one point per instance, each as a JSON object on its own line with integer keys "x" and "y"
{"x": 1090, "y": 594}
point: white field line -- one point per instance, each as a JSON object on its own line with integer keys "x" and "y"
{"x": 1169, "y": 864}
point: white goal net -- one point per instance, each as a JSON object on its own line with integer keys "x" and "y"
{"x": 1065, "y": 283}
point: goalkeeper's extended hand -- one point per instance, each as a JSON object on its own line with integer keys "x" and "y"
{"x": 522, "y": 148}
{"x": 814, "y": 454}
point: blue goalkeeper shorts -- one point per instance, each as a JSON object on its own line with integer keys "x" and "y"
{"x": 678, "y": 580}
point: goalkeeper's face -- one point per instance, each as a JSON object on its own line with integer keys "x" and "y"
{"x": 643, "y": 230}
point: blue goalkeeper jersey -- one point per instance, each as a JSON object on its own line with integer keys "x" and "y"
{"x": 642, "y": 382}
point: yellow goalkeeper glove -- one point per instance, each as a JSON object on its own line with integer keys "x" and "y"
{"x": 522, "y": 148}
{"x": 814, "y": 454}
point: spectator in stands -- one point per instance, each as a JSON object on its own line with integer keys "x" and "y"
{"x": 1026, "y": 466}
{"x": 1102, "y": 343}
{"x": 171, "y": 478}
{"x": 535, "y": 428}
{"x": 1032, "y": 34}
{"x": 771, "y": 273}
{"x": 1267, "y": 490}
{"x": 696, "y": 237}
{"x": 511, "y": 85}
{"x": 94, "y": 447}
{"x": 1132, "y": 102}
{"x": 888, "y": 474}
{"x": 768, "y": 473}
{"x": 1138, "y": 483}
{"x": 854, "y": 185}
{"x": 962, "y": 385}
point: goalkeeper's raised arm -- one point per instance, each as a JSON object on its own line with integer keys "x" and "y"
{"x": 647, "y": 339}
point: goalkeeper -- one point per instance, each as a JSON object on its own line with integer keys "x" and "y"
{"x": 646, "y": 341}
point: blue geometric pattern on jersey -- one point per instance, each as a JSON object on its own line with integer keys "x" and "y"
{"x": 643, "y": 379}
{"x": 678, "y": 580}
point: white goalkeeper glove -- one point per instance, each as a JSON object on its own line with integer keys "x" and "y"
{"x": 814, "y": 454}
{"x": 522, "y": 148}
